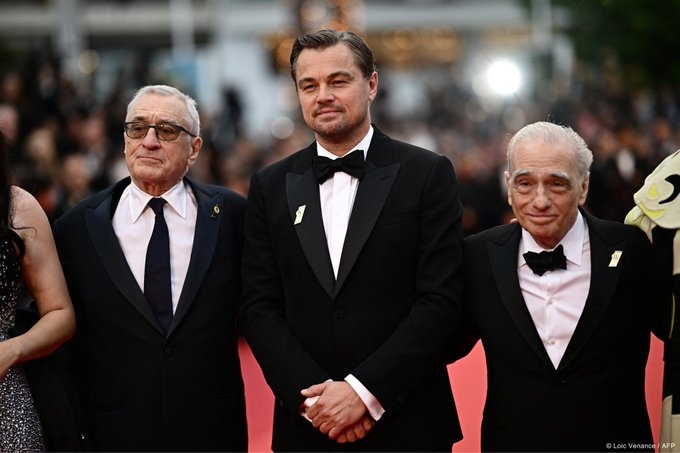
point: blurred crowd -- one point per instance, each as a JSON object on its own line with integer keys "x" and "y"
{"x": 66, "y": 143}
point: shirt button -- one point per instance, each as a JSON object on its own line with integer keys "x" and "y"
{"x": 550, "y": 302}
{"x": 551, "y": 341}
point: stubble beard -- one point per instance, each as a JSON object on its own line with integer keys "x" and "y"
{"x": 338, "y": 130}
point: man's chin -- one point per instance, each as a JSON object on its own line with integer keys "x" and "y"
{"x": 330, "y": 131}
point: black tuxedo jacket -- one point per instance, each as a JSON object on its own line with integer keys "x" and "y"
{"x": 595, "y": 399}
{"x": 389, "y": 314}
{"x": 144, "y": 390}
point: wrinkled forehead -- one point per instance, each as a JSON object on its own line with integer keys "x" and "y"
{"x": 544, "y": 158}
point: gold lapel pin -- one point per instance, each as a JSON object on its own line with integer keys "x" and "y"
{"x": 299, "y": 213}
{"x": 215, "y": 211}
{"x": 616, "y": 256}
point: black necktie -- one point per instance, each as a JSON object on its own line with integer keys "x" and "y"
{"x": 352, "y": 164}
{"x": 157, "y": 272}
{"x": 546, "y": 261}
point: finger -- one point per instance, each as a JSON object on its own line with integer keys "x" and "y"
{"x": 318, "y": 422}
{"x": 312, "y": 413}
{"x": 335, "y": 432}
{"x": 314, "y": 390}
{"x": 342, "y": 439}
{"x": 358, "y": 431}
{"x": 368, "y": 423}
{"x": 351, "y": 435}
{"x": 325, "y": 428}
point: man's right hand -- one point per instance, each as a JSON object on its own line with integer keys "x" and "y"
{"x": 357, "y": 431}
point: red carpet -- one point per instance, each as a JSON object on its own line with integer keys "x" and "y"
{"x": 468, "y": 379}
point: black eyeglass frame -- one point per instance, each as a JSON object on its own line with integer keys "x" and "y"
{"x": 155, "y": 127}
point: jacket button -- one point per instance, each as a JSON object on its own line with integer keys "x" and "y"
{"x": 339, "y": 313}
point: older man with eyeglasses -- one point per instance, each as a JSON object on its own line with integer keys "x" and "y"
{"x": 153, "y": 267}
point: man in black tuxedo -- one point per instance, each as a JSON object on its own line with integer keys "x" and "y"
{"x": 566, "y": 334}
{"x": 352, "y": 279}
{"x": 158, "y": 375}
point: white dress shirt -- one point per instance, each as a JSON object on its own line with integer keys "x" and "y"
{"x": 337, "y": 198}
{"x": 556, "y": 299}
{"x": 337, "y": 195}
{"x": 133, "y": 223}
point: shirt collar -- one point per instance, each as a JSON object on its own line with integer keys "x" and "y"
{"x": 176, "y": 198}
{"x": 362, "y": 145}
{"x": 572, "y": 242}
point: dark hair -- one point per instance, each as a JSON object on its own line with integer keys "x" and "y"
{"x": 323, "y": 39}
{"x": 6, "y": 206}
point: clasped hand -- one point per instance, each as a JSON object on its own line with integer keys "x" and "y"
{"x": 338, "y": 411}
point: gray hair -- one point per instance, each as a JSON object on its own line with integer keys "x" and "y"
{"x": 544, "y": 131}
{"x": 165, "y": 90}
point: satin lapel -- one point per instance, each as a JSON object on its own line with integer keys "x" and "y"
{"x": 503, "y": 258}
{"x": 302, "y": 189}
{"x": 603, "y": 283}
{"x": 372, "y": 192}
{"x": 202, "y": 251}
{"x": 105, "y": 244}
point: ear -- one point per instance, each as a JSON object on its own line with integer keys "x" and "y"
{"x": 507, "y": 186}
{"x": 584, "y": 189}
{"x": 196, "y": 145}
{"x": 373, "y": 86}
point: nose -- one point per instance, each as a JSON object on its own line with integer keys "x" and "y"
{"x": 325, "y": 94}
{"x": 151, "y": 139}
{"x": 541, "y": 198}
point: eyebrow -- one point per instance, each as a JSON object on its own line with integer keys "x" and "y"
{"x": 555, "y": 174}
{"x": 144, "y": 119}
{"x": 341, "y": 73}
{"x": 332, "y": 75}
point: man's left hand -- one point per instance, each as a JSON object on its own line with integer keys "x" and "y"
{"x": 337, "y": 409}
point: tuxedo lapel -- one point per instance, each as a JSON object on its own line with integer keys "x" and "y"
{"x": 503, "y": 259}
{"x": 105, "y": 244}
{"x": 302, "y": 192}
{"x": 603, "y": 283}
{"x": 302, "y": 189}
{"x": 208, "y": 221}
{"x": 372, "y": 192}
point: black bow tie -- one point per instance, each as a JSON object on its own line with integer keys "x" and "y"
{"x": 352, "y": 164}
{"x": 546, "y": 261}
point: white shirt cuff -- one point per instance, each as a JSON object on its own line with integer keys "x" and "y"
{"x": 371, "y": 402}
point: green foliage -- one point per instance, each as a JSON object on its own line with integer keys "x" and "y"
{"x": 7, "y": 58}
{"x": 638, "y": 38}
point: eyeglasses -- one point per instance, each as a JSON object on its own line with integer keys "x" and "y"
{"x": 164, "y": 131}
